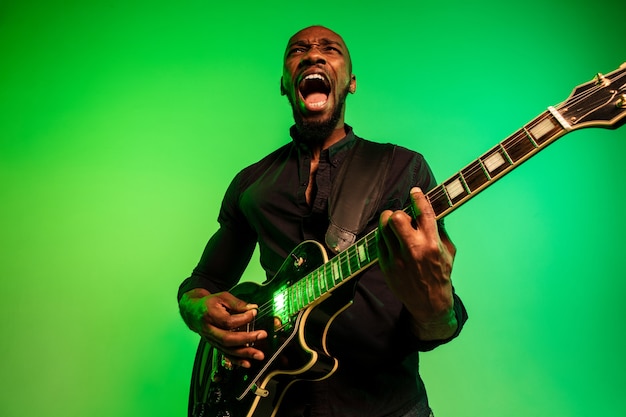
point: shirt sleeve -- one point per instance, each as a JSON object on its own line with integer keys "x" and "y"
{"x": 461, "y": 318}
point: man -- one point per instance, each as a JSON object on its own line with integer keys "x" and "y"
{"x": 403, "y": 305}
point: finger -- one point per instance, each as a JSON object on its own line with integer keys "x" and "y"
{"x": 225, "y": 316}
{"x": 387, "y": 239}
{"x": 425, "y": 215}
{"x": 241, "y": 354}
{"x": 235, "y": 304}
{"x": 244, "y": 359}
{"x": 238, "y": 338}
{"x": 244, "y": 353}
{"x": 238, "y": 321}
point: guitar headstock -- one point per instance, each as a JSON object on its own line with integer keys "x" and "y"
{"x": 597, "y": 103}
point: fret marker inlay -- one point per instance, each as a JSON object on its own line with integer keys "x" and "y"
{"x": 362, "y": 255}
{"x": 454, "y": 189}
{"x": 493, "y": 161}
{"x": 542, "y": 128}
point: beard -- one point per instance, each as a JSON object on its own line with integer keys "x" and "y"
{"x": 316, "y": 132}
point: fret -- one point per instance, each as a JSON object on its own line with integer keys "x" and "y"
{"x": 439, "y": 199}
{"x": 317, "y": 291}
{"x": 372, "y": 246}
{"x": 310, "y": 291}
{"x": 344, "y": 265}
{"x": 543, "y": 128}
{"x": 519, "y": 145}
{"x": 456, "y": 188}
{"x": 306, "y": 290}
{"x": 330, "y": 282}
{"x": 335, "y": 271}
{"x": 475, "y": 176}
{"x": 353, "y": 259}
{"x": 299, "y": 302}
{"x": 530, "y": 137}
{"x": 505, "y": 154}
{"x": 328, "y": 271}
{"x": 297, "y": 297}
{"x": 292, "y": 304}
{"x": 495, "y": 162}
{"x": 362, "y": 253}
{"x": 302, "y": 290}
{"x": 320, "y": 278}
{"x": 301, "y": 293}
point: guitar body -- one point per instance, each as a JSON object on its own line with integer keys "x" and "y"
{"x": 295, "y": 348}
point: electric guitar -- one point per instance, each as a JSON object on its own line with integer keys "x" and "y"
{"x": 297, "y": 306}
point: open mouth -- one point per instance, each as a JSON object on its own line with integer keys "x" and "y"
{"x": 314, "y": 90}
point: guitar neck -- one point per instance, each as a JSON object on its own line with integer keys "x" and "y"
{"x": 445, "y": 198}
{"x": 598, "y": 103}
{"x": 497, "y": 162}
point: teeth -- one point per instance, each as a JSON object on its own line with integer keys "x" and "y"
{"x": 314, "y": 77}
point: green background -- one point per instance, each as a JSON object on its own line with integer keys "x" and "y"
{"x": 121, "y": 124}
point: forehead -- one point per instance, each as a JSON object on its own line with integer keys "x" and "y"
{"x": 316, "y": 35}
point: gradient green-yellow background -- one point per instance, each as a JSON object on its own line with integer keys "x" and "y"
{"x": 122, "y": 122}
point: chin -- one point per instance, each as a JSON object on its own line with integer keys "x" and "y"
{"x": 316, "y": 130}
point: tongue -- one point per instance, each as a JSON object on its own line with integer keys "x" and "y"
{"x": 316, "y": 100}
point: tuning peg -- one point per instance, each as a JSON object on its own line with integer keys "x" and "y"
{"x": 621, "y": 102}
{"x": 602, "y": 80}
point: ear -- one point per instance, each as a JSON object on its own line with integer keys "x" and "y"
{"x": 352, "y": 88}
{"x": 282, "y": 88}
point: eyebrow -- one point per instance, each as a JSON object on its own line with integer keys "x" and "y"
{"x": 322, "y": 41}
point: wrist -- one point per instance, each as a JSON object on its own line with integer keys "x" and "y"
{"x": 438, "y": 328}
{"x": 191, "y": 308}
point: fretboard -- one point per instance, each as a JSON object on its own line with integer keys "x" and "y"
{"x": 445, "y": 198}
{"x": 497, "y": 162}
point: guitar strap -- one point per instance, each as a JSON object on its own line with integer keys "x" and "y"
{"x": 356, "y": 192}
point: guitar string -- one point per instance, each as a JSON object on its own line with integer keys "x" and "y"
{"x": 518, "y": 137}
{"x": 323, "y": 272}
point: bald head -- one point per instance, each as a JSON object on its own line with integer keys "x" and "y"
{"x": 323, "y": 34}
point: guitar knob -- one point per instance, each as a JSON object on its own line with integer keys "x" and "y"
{"x": 621, "y": 102}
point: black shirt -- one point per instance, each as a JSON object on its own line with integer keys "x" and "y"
{"x": 266, "y": 204}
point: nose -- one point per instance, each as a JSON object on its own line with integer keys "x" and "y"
{"x": 314, "y": 55}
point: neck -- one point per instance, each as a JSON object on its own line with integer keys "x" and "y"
{"x": 317, "y": 140}
{"x": 335, "y": 136}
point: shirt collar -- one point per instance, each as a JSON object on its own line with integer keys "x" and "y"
{"x": 337, "y": 151}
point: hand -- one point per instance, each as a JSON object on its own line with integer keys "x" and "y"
{"x": 417, "y": 264}
{"x": 215, "y": 316}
